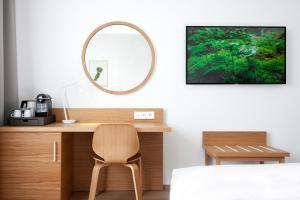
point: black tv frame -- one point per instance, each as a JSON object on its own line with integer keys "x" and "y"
{"x": 217, "y": 83}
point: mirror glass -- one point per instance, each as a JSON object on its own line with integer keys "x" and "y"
{"x": 118, "y": 58}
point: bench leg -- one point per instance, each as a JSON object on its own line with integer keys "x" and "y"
{"x": 261, "y": 162}
{"x": 282, "y": 160}
{"x": 207, "y": 159}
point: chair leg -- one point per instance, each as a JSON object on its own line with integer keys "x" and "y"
{"x": 101, "y": 183}
{"x": 141, "y": 173}
{"x": 94, "y": 181}
{"x": 136, "y": 180}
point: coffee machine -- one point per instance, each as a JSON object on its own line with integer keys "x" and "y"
{"x": 43, "y": 105}
{"x": 36, "y": 112}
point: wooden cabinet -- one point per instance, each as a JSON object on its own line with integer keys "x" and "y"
{"x": 30, "y": 166}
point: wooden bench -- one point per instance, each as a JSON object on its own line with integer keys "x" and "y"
{"x": 240, "y": 146}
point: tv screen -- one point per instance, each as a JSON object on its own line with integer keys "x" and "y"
{"x": 235, "y": 55}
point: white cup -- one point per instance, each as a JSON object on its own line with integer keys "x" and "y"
{"x": 32, "y": 110}
{"x": 16, "y": 113}
{"x": 27, "y": 113}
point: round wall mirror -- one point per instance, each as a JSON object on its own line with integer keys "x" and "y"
{"x": 118, "y": 57}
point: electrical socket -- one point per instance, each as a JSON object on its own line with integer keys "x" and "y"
{"x": 144, "y": 115}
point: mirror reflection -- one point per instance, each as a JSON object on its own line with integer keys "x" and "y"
{"x": 118, "y": 58}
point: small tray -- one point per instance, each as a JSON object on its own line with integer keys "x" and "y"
{"x": 30, "y": 121}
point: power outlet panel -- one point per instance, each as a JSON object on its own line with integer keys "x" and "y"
{"x": 144, "y": 115}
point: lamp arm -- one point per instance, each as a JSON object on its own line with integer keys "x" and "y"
{"x": 64, "y": 100}
{"x": 63, "y": 97}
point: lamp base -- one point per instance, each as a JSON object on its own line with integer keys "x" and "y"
{"x": 68, "y": 121}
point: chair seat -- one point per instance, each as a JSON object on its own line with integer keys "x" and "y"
{"x": 134, "y": 158}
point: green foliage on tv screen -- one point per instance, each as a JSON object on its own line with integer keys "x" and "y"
{"x": 235, "y": 55}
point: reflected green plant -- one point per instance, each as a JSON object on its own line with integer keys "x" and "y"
{"x": 98, "y": 73}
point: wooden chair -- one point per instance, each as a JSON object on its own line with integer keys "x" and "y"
{"x": 117, "y": 144}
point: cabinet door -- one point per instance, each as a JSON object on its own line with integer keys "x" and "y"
{"x": 30, "y": 166}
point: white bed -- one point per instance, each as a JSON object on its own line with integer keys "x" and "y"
{"x": 237, "y": 182}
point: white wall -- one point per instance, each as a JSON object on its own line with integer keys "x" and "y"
{"x": 51, "y": 33}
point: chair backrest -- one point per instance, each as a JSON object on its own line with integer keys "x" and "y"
{"x": 115, "y": 143}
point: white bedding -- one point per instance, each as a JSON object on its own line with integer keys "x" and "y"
{"x": 237, "y": 182}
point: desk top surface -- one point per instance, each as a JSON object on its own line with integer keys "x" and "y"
{"x": 83, "y": 127}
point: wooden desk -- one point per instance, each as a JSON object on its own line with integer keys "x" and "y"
{"x": 50, "y": 162}
{"x": 84, "y": 127}
{"x": 240, "y": 146}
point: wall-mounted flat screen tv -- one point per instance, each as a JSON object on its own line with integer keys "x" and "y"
{"x": 235, "y": 55}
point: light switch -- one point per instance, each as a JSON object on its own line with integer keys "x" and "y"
{"x": 144, "y": 115}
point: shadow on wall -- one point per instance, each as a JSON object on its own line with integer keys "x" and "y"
{"x": 179, "y": 145}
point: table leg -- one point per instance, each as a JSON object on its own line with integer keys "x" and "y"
{"x": 218, "y": 161}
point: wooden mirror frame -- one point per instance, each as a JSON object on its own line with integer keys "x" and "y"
{"x": 124, "y": 24}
